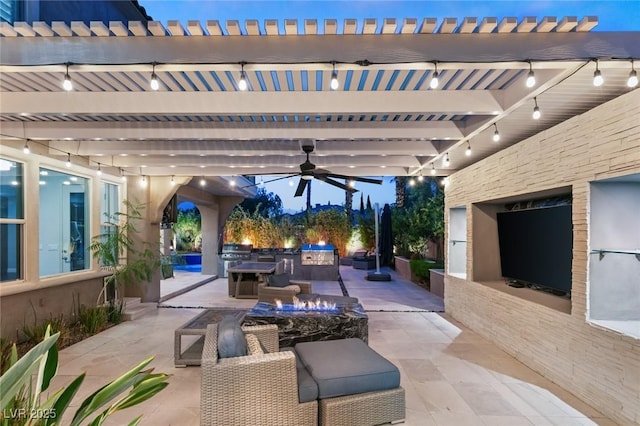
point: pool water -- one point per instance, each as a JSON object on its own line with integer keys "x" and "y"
{"x": 188, "y": 268}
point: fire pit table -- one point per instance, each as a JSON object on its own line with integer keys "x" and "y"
{"x": 295, "y": 326}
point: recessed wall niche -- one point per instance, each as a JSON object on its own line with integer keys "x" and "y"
{"x": 530, "y": 252}
{"x": 614, "y": 254}
{"x": 457, "y": 256}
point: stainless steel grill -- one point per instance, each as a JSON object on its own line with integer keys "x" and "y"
{"x": 317, "y": 255}
{"x": 231, "y": 252}
{"x": 236, "y": 251}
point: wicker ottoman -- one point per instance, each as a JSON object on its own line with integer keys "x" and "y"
{"x": 364, "y": 409}
{"x": 356, "y": 385}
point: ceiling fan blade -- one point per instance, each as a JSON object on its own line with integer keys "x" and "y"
{"x": 336, "y": 183}
{"x": 302, "y": 185}
{"x": 356, "y": 178}
{"x": 324, "y": 172}
{"x": 288, "y": 175}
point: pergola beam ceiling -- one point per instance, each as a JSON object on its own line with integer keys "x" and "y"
{"x": 376, "y": 48}
{"x": 190, "y": 130}
{"x": 257, "y": 149}
{"x": 251, "y": 103}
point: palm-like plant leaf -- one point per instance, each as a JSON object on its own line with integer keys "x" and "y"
{"x": 109, "y": 392}
{"x": 19, "y": 373}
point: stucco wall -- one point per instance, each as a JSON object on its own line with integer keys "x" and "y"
{"x": 600, "y": 366}
{"x": 37, "y": 306}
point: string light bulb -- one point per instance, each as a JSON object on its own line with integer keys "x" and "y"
{"x": 26, "y": 149}
{"x": 446, "y": 161}
{"x": 68, "y": 163}
{"x": 412, "y": 182}
{"x": 143, "y": 181}
{"x": 598, "y": 80}
{"x": 335, "y": 84}
{"x": 67, "y": 84}
{"x": 123, "y": 177}
{"x": 99, "y": 171}
{"x": 468, "y": 150}
{"x": 433, "y": 169}
{"x": 242, "y": 84}
{"x": 352, "y": 183}
{"x": 203, "y": 182}
{"x": 173, "y": 181}
{"x": 496, "y": 133}
{"x": 531, "y": 77}
{"x": 434, "y": 79}
{"x": 536, "y": 110}
{"x": 420, "y": 177}
{"x": 632, "y": 81}
{"x": 154, "y": 83}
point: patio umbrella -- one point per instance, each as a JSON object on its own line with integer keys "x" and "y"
{"x": 386, "y": 237}
{"x": 377, "y": 275}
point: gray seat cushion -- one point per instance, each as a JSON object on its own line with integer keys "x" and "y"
{"x": 231, "y": 339}
{"x": 307, "y": 387}
{"x": 347, "y": 367}
{"x": 278, "y": 280}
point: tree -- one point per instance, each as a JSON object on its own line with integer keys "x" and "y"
{"x": 119, "y": 240}
{"x": 267, "y": 204}
{"x": 188, "y": 229}
{"x": 348, "y": 202}
{"x": 401, "y": 190}
{"x": 262, "y": 231}
{"x": 332, "y": 226}
{"x": 422, "y": 219}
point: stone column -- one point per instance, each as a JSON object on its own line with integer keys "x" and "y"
{"x": 209, "y": 229}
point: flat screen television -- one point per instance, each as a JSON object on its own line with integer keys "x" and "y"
{"x": 536, "y": 246}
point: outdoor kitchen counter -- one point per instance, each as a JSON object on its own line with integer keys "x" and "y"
{"x": 298, "y": 271}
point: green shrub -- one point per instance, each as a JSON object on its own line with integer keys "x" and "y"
{"x": 35, "y": 333}
{"x": 420, "y": 268}
{"x": 114, "y": 311}
{"x": 92, "y": 319}
{"x": 5, "y": 354}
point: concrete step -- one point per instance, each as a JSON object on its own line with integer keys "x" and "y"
{"x": 134, "y": 308}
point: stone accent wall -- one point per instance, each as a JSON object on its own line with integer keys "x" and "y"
{"x": 599, "y": 366}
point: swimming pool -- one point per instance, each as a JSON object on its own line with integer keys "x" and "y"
{"x": 188, "y": 268}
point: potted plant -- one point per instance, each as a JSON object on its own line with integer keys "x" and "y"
{"x": 116, "y": 250}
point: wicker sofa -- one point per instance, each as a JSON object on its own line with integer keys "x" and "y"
{"x": 265, "y": 389}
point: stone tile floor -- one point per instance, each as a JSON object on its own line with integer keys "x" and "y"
{"x": 451, "y": 375}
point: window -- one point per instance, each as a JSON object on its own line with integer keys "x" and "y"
{"x": 11, "y": 220}
{"x": 64, "y": 223}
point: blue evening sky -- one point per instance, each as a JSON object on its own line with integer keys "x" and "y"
{"x": 621, "y": 15}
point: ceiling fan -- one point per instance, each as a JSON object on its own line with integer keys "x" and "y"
{"x": 309, "y": 171}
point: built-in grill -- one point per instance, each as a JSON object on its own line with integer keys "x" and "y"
{"x": 312, "y": 254}
{"x": 231, "y": 252}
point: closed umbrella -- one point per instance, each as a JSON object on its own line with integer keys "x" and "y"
{"x": 377, "y": 275}
{"x": 386, "y": 237}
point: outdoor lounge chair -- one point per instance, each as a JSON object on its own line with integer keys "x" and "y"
{"x": 280, "y": 287}
{"x": 336, "y": 382}
{"x": 258, "y": 389}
